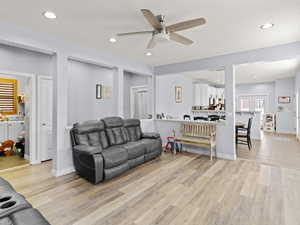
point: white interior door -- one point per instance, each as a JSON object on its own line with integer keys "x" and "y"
{"x": 139, "y": 102}
{"x": 45, "y": 106}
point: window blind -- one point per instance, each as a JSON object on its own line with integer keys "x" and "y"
{"x": 8, "y": 96}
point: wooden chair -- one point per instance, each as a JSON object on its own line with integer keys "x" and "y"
{"x": 243, "y": 135}
{"x": 202, "y": 135}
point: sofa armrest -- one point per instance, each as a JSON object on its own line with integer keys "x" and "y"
{"x": 88, "y": 162}
{"x": 87, "y": 150}
{"x": 151, "y": 135}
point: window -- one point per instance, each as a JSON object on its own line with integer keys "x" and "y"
{"x": 253, "y": 103}
{"x": 245, "y": 104}
{"x": 8, "y": 96}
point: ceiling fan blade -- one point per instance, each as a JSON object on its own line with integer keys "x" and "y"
{"x": 152, "y": 19}
{"x": 181, "y": 39}
{"x": 135, "y": 33}
{"x": 151, "y": 43}
{"x": 186, "y": 25}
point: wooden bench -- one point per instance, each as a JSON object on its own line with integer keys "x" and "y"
{"x": 202, "y": 135}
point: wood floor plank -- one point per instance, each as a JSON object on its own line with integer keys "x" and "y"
{"x": 182, "y": 189}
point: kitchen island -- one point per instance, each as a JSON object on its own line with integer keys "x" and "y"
{"x": 165, "y": 127}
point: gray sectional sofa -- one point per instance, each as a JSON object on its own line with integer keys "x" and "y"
{"x": 15, "y": 210}
{"x": 109, "y": 147}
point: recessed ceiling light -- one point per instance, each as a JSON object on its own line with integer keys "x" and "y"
{"x": 112, "y": 40}
{"x": 148, "y": 54}
{"x": 266, "y": 26}
{"x": 49, "y": 15}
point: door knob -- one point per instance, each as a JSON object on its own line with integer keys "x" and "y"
{"x": 43, "y": 124}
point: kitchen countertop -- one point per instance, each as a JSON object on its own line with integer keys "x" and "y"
{"x": 192, "y": 121}
{"x": 12, "y": 121}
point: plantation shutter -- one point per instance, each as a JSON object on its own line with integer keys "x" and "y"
{"x": 8, "y": 96}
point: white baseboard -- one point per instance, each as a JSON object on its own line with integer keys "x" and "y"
{"x": 220, "y": 155}
{"x": 58, "y": 173}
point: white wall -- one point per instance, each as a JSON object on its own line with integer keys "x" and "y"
{"x": 258, "y": 89}
{"x": 165, "y": 95}
{"x": 285, "y": 87}
{"x": 286, "y": 118}
{"x": 82, "y": 102}
{"x": 132, "y": 80}
{"x": 25, "y": 61}
{"x": 297, "y": 92}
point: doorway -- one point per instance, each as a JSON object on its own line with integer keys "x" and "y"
{"x": 25, "y": 127}
{"x": 139, "y": 102}
{"x": 15, "y": 108}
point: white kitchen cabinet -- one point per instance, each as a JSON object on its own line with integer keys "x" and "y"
{"x": 10, "y": 130}
{"x": 3, "y": 131}
{"x": 201, "y": 96}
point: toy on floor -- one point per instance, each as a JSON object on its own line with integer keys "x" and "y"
{"x": 171, "y": 145}
{"x": 7, "y": 147}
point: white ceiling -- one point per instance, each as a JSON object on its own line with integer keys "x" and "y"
{"x": 232, "y": 25}
{"x": 259, "y": 72}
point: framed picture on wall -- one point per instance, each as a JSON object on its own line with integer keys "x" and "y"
{"x": 99, "y": 91}
{"x": 178, "y": 94}
{"x": 284, "y": 99}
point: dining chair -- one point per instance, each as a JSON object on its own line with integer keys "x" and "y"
{"x": 243, "y": 134}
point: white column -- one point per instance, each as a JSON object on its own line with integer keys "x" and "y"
{"x": 226, "y": 133}
{"x": 230, "y": 107}
{"x": 63, "y": 156}
{"x": 118, "y": 91}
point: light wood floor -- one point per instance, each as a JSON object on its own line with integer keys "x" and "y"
{"x": 7, "y": 162}
{"x": 274, "y": 149}
{"x": 176, "y": 190}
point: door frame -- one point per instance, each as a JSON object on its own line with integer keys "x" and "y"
{"x": 38, "y": 125}
{"x": 33, "y": 154}
{"x": 132, "y": 90}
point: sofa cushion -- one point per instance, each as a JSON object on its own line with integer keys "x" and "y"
{"x": 152, "y": 145}
{"x": 115, "y": 130}
{"x": 137, "y": 161}
{"x": 133, "y": 129}
{"x": 90, "y": 133}
{"x": 134, "y": 149}
{"x": 115, "y": 171}
{"x": 114, "y": 156}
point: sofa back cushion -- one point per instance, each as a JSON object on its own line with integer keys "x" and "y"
{"x": 115, "y": 130}
{"x": 91, "y": 133}
{"x": 133, "y": 129}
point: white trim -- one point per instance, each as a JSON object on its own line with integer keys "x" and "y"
{"x": 92, "y": 62}
{"x": 33, "y": 155}
{"x": 58, "y": 173}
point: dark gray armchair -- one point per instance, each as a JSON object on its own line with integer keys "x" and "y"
{"x": 15, "y": 210}
{"x": 109, "y": 147}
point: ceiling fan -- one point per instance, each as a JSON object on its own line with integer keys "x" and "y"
{"x": 163, "y": 32}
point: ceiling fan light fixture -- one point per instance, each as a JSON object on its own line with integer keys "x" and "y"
{"x": 112, "y": 40}
{"x": 266, "y": 26}
{"x": 49, "y": 15}
{"x": 148, "y": 53}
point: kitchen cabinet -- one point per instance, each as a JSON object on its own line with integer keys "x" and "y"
{"x": 10, "y": 130}
{"x": 202, "y": 93}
